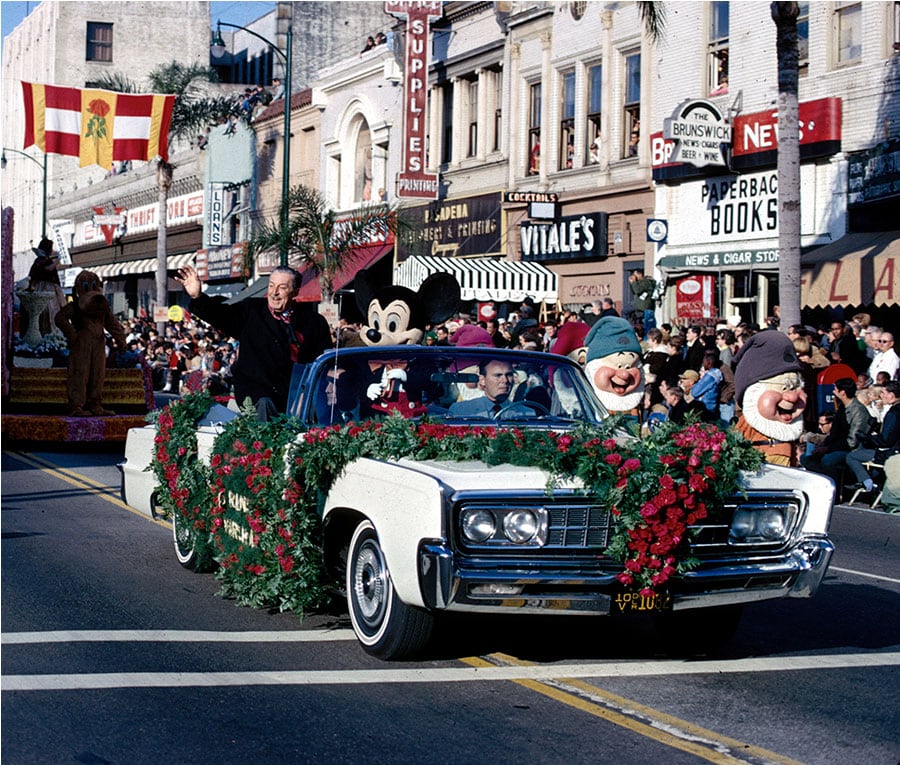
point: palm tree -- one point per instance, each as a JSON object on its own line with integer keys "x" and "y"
{"x": 784, "y": 14}
{"x": 192, "y": 112}
{"x": 318, "y": 238}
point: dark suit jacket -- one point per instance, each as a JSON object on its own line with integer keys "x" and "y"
{"x": 264, "y": 365}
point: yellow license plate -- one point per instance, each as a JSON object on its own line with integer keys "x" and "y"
{"x": 634, "y": 602}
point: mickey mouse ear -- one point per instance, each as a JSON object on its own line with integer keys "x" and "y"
{"x": 441, "y": 294}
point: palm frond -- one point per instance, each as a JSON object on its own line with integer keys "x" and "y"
{"x": 653, "y": 17}
{"x": 118, "y": 82}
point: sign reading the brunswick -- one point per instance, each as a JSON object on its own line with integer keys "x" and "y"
{"x": 700, "y": 132}
{"x": 413, "y": 180}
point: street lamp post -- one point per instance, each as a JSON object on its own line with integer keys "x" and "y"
{"x": 217, "y": 46}
{"x": 43, "y": 166}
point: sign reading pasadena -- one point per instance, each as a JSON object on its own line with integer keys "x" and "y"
{"x": 413, "y": 181}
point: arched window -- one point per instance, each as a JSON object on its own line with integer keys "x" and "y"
{"x": 362, "y": 164}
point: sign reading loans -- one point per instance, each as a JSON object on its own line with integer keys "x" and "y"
{"x": 700, "y": 132}
{"x": 413, "y": 181}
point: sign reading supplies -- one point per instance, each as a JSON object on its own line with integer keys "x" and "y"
{"x": 414, "y": 180}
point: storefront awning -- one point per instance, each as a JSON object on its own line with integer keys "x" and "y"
{"x": 483, "y": 278}
{"x": 858, "y": 269}
{"x": 143, "y": 266}
{"x": 362, "y": 257}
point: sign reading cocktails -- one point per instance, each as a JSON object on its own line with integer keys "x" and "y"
{"x": 413, "y": 180}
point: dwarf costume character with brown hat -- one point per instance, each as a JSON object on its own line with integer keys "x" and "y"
{"x": 768, "y": 381}
{"x": 614, "y": 365}
{"x": 84, "y": 322}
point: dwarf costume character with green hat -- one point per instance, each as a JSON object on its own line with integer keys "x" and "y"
{"x": 768, "y": 383}
{"x": 614, "y": 365}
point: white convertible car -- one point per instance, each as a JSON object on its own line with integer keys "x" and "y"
{"x": 413, "y": 538}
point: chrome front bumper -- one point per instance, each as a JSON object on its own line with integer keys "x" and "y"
{"x": 448, "y": 585}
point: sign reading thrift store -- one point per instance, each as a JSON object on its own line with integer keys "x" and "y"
{"x": 414, "y": 180}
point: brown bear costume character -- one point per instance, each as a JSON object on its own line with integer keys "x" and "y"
{"x": 84, "y": 322}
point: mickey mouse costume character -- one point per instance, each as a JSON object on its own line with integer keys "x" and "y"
{"x": 398, "y": 316}
{"x": 768, "y": 381}
{"x": 84, "y": 322}
{"x": 614, "y": 365}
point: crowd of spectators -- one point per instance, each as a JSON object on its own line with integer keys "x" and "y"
{"x": 687, "y": 369}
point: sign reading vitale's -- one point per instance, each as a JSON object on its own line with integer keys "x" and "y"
{"x": 570, "y": 237}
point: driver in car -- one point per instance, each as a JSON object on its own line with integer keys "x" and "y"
{"x": 495, "y": 380}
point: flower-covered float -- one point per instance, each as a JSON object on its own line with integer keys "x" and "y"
{"x": 542, "y": 504}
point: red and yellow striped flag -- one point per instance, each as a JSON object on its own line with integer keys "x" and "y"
{"x": 97, "y": 126}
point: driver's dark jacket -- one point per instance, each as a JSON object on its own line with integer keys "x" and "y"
{"x": 264, "y": 365}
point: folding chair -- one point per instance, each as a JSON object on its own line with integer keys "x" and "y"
{"x": 870, "y": 466}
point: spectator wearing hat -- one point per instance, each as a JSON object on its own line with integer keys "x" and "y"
{"x": 678, "y": 404}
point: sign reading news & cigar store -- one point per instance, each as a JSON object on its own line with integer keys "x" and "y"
{"x": 413, "y": 180}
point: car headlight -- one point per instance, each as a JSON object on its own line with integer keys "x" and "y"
{"x": 771, "y": 524}
{"x": 499, "y": 526}
{"x": 478, "y": 525}
{"x": 520, "y": 526}
{"x": 759, "y": 524}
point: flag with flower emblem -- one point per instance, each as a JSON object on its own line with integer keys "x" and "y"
{"x": 97, "y": 126}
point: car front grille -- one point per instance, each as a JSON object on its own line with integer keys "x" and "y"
{"x": 578, "y": 526}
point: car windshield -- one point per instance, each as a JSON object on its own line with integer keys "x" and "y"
{"x": 454, "y": 385}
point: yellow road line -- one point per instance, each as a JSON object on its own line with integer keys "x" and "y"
{"x": 79, "y": 481}
{"x": 638, "y": 718}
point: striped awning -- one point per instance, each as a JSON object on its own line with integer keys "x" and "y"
{"x": 859, "y": 269}
{"x": 483, "y": 278}
{"x": 143, "y": 266}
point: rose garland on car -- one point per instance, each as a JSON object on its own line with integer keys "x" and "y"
{"x": 182, "y": 479}
{"x": 266, "y": 480}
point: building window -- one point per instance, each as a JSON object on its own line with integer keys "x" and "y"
{"x": 498, "y": 110}
{"x": 362, "y": 176}
{"x": 577, "y": 9}
{"x": 717, "y": 57}
{"x": 99, "y": 41}
{"x": 848, "y": 33}
{"x": 534, "y": 130}
{"x": 594, "y": 113}
{"x": 632, "y": 121}
{"x": 895, "y": 29}
{"x": 472, "y": 107}
{"x": 447, "y": 124}
{"x": 567, "y": 121}
{"x": 803, "y": 35}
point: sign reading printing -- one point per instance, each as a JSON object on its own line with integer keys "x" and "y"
{"x": 700, "y": 133}
{"x": 413, "y": 181}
